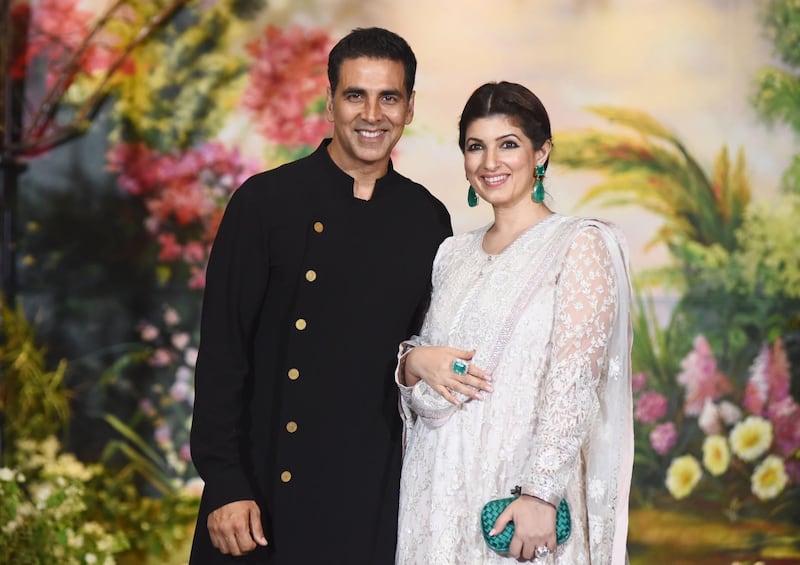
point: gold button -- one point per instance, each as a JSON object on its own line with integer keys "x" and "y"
{"x": 318, "y": 227}
{"x": 294, "y": 374}
{"x": 286, "y": 476}
{"x": 300, "y": 324}
{"x": 291, "y": 427}
{"x": 311, "y": 275}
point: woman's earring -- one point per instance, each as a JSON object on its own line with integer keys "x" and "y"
{"x": 472, "y": 198}
{"x": 538, "y": 187}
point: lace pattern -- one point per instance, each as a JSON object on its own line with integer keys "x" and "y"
{"x": 544, "y": 317}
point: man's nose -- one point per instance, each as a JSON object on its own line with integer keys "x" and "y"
{"x": 372, "y": 110}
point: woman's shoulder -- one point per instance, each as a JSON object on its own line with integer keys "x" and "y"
{"x": 465, "y": 239}
{"x": 587, "y": 225}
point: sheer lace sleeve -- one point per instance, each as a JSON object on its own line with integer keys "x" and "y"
{"x": 586, "y": 300}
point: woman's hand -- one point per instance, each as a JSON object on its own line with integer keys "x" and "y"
{"x": 534, "y": 526}
{"x": 434, "y": 365}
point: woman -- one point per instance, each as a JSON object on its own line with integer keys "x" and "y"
{"x": 528, "y": 337}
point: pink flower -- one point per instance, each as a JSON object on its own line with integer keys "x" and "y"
{"x": 663, "y": 438}
{"x": 148, "y": 332}
{"x": 785, "y": 418}
{"x": 638, "y": 382}
{"x": 185, "y": 193}
{"x": 179, "y": 390}
{"x": 793, "y": 470}
{"x": 180, "y": 340}
{"x": 769, "y": 379}
{"x": 701, "y": 378}
{"x": 287, "y": 76}
{"x": 146, "y": 406}
{"x": 170, "y": 248}
{"x": 194, "y": 252}
{"x": 185, "y": 452}
{"x": 160, "y": 358}
{"x": 163, "y": 435}
{"x": 171, "y": 316}
{"x": 650, "y": 407}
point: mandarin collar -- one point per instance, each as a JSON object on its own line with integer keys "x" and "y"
{"x": 330, "y": 167}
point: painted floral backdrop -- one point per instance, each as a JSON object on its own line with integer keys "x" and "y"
{"x": 142, "y": 117}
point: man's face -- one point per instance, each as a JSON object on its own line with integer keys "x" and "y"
{"x": 369, "y": 110}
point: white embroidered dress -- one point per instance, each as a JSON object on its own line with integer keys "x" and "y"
{"x": 549, "y": 318}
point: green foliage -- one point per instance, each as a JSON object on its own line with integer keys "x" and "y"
{"x": 782, "y": 24}
{"x": 185, "y": 81}
{"x": 651, "y": 168}
{"x": 43, "y": 514}
{"x": 33, "y": 399}
{"x": 777, "y": 96}
{"x": 55, "y": 508}
{"x": 750, "y": 294}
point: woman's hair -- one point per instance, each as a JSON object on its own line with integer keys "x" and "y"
{"x": 508, "y": 99}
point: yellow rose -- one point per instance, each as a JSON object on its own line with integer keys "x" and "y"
{"x": 716, "y": 455}
{"x": 751, "y": 437}
{"x": 682, "y": 476}
{"x": 769, "y": 478}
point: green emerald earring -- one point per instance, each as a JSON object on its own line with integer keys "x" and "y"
{"x": 538, "y": 187}
{"x": 472, "y": 198}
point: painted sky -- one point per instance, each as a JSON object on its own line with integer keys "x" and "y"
{"x": 689, "y": 63}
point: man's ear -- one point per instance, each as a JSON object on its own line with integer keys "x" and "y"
{"x": 410, "y": 111}
{"x": 329, "y": 105}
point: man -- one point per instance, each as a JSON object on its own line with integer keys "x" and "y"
{"x": 319, "y": 270}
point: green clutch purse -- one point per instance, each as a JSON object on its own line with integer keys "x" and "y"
{"x": 499, "y": 543}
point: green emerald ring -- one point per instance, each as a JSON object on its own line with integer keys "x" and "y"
{"x": 460, "y": 367}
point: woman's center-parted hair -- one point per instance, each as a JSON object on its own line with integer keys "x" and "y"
{"x": 512, "y": 100}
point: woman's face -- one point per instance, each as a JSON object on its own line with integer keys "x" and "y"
{"x": 499, "y": 160}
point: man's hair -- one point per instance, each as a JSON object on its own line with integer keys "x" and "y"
{"x": 375, "y": 43}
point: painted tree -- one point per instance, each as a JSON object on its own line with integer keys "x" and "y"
{"x": 777, "y": 96}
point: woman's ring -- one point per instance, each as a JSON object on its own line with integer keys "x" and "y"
{"x": 460, "y": 367}
{"x": 540, "y": 552}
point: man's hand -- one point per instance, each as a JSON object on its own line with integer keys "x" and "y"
{"x": 235, "y": 528}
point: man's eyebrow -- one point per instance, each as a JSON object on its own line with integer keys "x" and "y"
{"x": 392, "y": 92}
{"x": 363, "y": 91}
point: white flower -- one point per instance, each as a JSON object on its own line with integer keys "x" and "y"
{"x": 6, "y": 474}
{"x": 709, "y": 420}
{"x": 183, "y": 374}
{"x": 191, "y": 356}
{"x": 729, "y": 412}
{"x": 90, "y": 558}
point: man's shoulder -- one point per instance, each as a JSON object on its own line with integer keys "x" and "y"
{"x": 419, "y": 193}
{"x": 268, "y": 184}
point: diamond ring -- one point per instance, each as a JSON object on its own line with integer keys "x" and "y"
{"x": 540, "y": 552}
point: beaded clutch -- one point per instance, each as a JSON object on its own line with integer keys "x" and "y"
{"x": 500, "y": 542}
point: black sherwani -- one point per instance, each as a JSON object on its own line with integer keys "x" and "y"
{"x": 309, "y": 291}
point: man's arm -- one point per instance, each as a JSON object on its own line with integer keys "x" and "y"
{"x": 236, "y": 281}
